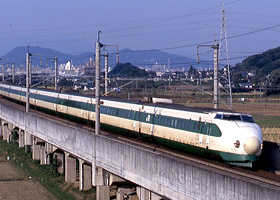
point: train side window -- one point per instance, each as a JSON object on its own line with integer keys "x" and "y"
{"x": 169, "y": 122}
{"x": 158, "y": 121}
{"x": 182, "y": 124}
{"x": 186, "y": 124}
{"x": 128, "y": 114}
{"x": 195, "y": 126}
{"x": 172, "y": 122}
{"x": 203, "y": 127}
{"x": 165, "y": 121}
{"x": 178, "y": 123}
{"x": 190, "y": 124}
{"x": 209, "y": 130}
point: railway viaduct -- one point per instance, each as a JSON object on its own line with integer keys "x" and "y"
{"x": 105, "y": 160}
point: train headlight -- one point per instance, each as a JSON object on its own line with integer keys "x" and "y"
{"x": 237, "y": 144}
{"x": 252, "y": 145}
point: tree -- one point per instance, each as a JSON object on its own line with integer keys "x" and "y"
{"x": 192, "y": 72}
{"x": 274, "y": 82}
{"x": 128, "y": 70}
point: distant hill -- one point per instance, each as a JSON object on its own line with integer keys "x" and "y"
{"x": 148, "y": 58}
{"x": 17, "y": 55}
{"x": 128, "y": 70}
{"x": 145, "y": 58}
{"x": 261, "y": 65}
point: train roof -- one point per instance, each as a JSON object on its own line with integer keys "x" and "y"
{"x": 162, "y": 105}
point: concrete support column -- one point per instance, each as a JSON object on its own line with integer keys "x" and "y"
{"x": 144, "y": 194}
{"x": 70, "y": 168}
{"x": 35, "y": 150}
{"x": 124, "y": 193}
{"x": 9, "y": 134}
{"x": 84, "y": 175}
{"x": 101, "y": 182}
{"x": 5, "y": 131}
{"x": 60, "y": 160}
{"x": 27, "y": 138}
{"x": 44, "y": 156}
{"x": 20, "y": 138}
{"x": 102, "y": 193}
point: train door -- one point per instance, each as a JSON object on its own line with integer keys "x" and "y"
{"x": 56, "y": 101}
{"x": 208, "y": 132}
{"x": 137, "y": 124}
{"x": 153, "y": 117}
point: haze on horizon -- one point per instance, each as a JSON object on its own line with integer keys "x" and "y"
{"x": 172, "y": 26}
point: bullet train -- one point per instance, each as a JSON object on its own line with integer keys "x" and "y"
{"x": 233, "y": 138}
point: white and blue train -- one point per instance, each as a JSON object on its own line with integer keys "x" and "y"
{"x": 231, "y": 137}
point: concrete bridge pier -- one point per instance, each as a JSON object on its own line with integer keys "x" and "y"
{"x": 21, "y": 138}
{"x": 144, "y": 194}
{"x": 9, "y": 132}
{"x": 70, "y": 168}
{"x": 84, "y": 175}
{"x": 124, "y": 192}
{"x": 59, "y": 155}
{"x": 27, "y": 138}
{"x": 100, "y": 179}
{"x": 36, "y": 148}
{"x": 125, "y": 189}
{"x": 4, "y": 130}
{"x": 44, "y": 156}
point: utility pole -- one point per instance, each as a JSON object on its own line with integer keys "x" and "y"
{"x": 30, "y": 71}
{"x": 55, "y": 71}
{"x": 106, "y": 64}
{"x": 13, "y": 72}
{"x": 3, "y": 72}
{"x": 114, "y": 45}
{"x": 98, "y": 45}
{"x": 168, "y": 66}
{"x": 30, "y": 67}
{"x": 216, "y": 68}
{"x": 27, "y": 80}
{"x": 106, "y": 73}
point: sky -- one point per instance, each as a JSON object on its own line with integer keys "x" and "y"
{"x": 173, "y": 26}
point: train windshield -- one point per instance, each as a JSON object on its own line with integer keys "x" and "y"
{"x": 232, "y": 117}
{"x": 247, "y": 118}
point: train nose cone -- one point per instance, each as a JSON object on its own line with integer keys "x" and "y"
{"x": 252, "y": 145}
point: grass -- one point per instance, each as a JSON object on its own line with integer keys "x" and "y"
{"x": 45, "y": 174}
{"x": 266, "y": 120}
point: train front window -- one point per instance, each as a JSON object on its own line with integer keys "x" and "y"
{"x": 218, "y": 116}
{"x": 232, "y": 117}
{"x": 246, "y": 118}
{"x": 235, "y": 117}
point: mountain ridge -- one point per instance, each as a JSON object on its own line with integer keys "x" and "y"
{"x": 139, "y": 58}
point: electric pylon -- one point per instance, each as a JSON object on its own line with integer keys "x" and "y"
{"x": 225, "y": 76}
